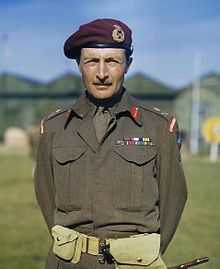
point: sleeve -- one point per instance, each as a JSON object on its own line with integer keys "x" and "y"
{"x": 172, "y": 186}
{"x": 43, "y": 179}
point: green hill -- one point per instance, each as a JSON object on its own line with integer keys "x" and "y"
{"x": 209, "y": 82}
{"x": 65, "y": 83}
{"x": 17, "y": 83}
{"x": 140, "y": 83}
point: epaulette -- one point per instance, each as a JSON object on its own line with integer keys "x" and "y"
{"x": 156, "y": 111}
{"x": 51, "y": 116}
{"x": 172, "y": 122}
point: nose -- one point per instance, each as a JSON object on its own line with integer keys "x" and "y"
{"x": 102, "y": 72}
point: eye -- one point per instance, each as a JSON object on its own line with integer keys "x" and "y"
{"x": 112, "y": 60}
{"x": 91, "y": 61}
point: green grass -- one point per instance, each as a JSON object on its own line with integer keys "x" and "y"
{"x": 24, "y": 237}
{"x": 24, "y": 240}
{"x": 199, "y": 232}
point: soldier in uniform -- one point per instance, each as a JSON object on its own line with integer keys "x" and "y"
{"x": 108, "y": 179}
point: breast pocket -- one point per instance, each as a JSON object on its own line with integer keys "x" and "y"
{"x": 70, "y": 181}
{"x": 134, "y": 184}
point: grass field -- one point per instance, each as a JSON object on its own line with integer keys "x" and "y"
{"x": 24, "y": 239}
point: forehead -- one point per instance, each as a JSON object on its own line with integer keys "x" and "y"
{"x": 102, "y": 52}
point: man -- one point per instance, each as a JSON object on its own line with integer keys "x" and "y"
{"x": 108, "y": 179}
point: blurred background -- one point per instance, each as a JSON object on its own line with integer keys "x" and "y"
{"x": 176, "y": 68}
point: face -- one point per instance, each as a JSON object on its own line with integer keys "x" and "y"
{"x": 103, "y": 70}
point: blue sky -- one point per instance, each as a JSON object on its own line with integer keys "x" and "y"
{"x": 166, "y": 35}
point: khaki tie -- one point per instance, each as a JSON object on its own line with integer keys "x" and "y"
{"x": 101, "y": 120}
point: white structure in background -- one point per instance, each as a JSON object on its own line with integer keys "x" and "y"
{"x": 195, "y": 127}
{"x": 16, "y": 138}
{"x": 213, "y": 156}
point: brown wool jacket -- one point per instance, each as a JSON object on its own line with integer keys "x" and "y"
{"x": 115, "y": 188}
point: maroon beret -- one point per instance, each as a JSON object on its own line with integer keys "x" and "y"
{"x": 100, "y": 33}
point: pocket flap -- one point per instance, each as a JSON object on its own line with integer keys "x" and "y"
{"x": 63, "y": 235}
{"x": 136, "y": 154}
{"x": 137, "y": 250}
{"x": 64, "y": 155}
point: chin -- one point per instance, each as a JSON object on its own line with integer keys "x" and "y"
{"x": 103, "y": 94}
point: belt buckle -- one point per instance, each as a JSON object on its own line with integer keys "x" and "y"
{"x": 104, "y": 252}
{"x": 101, "y": 255}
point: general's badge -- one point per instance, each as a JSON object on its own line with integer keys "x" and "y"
{"x": 118, "y": 34}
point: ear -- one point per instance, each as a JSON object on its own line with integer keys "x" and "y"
{"x": 79, "y": 65}
{"x": 128, "y": 64}
{"x": 78, "y": 60}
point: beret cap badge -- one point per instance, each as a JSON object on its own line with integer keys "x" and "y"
{"x": 118, "y": 34}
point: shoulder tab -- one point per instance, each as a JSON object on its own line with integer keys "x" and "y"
{"x": 172, "y": 122}
{"x": 172, "y": 125}
{"x": 157, "y": 111}
{"x": 55, "y": 114}
{"x": 51, "y": 116}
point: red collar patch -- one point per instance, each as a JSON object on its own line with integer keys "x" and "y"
{"x": 135, "y": 113}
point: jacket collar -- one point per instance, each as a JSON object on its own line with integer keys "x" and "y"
{"x": 126, "y": 105}
{"x": 129, "y": 106}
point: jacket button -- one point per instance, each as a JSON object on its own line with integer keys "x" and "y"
{"x": 139, "y": 259}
